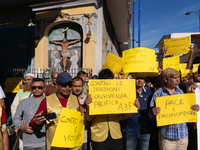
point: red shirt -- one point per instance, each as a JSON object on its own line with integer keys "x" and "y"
{"x": 43, "y": 108}
{"x": 3, "y": 118}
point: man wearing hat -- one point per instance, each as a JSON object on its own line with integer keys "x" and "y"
{"x": 137, "y": 127}
{"x": 55, "y": 103}
{"x": 25, "y": 92}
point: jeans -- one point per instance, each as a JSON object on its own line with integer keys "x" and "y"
{"x": 84, "y": 146}
{"x": 131, "y": 141}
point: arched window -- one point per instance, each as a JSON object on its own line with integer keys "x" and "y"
{"x": 65, "y": 48}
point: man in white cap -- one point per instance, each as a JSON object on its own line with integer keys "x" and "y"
{"x": 22, "y": 94}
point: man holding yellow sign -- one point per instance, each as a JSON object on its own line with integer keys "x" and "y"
{"x": 105, "y": 129}
{"x": 54, "y": 104}
{"x": 174, "y": 136}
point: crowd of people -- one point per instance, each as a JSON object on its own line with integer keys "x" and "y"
{"x": 128, "y": 131}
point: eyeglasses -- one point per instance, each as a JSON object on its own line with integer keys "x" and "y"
{"x": 35, "y": 87}
{"x": 66, "y": 84}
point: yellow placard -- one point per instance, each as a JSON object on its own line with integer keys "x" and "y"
{"x": 177, "y": 45}
{"x": 70, "y": 129}
{"x": 125, "y": 75}
{"x": 182, "y": 65}
{"x": 112, "y": 96}
{"x": 176, "y": 109}
{"x": 195, "y": 68}
{"x": 114, "y": 63}
{"x": 184, "y": 72}
{"x": 171, "y": 62}
{"x": 12, "y": 85}
{"x": 139, "y": 59}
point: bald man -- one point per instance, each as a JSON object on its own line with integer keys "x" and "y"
{"x": 51, "y": 88}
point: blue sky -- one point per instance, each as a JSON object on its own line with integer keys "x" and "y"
{"x": 161, "y": 17}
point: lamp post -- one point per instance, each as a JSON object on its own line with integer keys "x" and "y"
{"x": 195, "y": 12}
{"x": 139, "y": 22}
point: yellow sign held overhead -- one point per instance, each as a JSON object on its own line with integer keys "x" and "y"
{"x": 114, "y": 63}
{"x": 184, "y": 72}
{"x": 139, "y": 59}
{"x": 177, "y": 45}
{"x": 12, "y": 85}
{"x": 111, "y": 96}
{"x": 182, "y": 65}
{"x": 171, "y": 62}
{"x": 195, "y": 68}
{"x": 70, "y": 129}
{"x": 176, "y": 109}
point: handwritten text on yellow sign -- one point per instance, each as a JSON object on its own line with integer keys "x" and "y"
{"x": 112, "y": 96}
{"x": 182, "y": 65}
{"x": 171, "y": 62}
{"x": 195, "y": 68}
{"x": 113, "y": 62}
{"x": 139, "y": 60}
{"x": 176, "y": 109}
{"x": 70, "y": 129}
{"x": 177, "y": 45}
{"x": 184, "y": 72}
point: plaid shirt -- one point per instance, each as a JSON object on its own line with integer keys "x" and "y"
{"x": 175, "y": 131}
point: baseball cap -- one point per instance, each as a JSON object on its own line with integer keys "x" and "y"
{"x": 63, "y": 77}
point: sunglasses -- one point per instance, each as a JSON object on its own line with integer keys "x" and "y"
{"x": 66, "y": 84}
{"x": 35, "y": 87}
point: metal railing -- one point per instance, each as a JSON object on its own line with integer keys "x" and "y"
{"x": 46, "y": 73}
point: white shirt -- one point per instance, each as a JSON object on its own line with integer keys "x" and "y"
{"x": 2, "y": 95}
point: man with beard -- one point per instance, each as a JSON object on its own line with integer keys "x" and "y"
{"x": 77, "y": 87}
{"x": 51, "y": 88}
{"x": 22, "y": 94}
{"x": 137, "y": 127}
{"x": 36, "y": 139}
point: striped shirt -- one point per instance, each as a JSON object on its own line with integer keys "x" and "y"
{"x": 174, "y": 131}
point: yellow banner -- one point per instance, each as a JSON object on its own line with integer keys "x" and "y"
{"x": 176, "y": 109}
{"x": 195, "y": 68}
{"x": 171, "y": 62}
{"x": 70, "y": 129}
{"x": 12, "y": 85}
{"x": 177, "y": 45}
{"x": 114, "y": 63}
{"x": 112, "y": 96}
{"x": 182, "y": 65}
{"x": 139, "y": 59}
{"x": 184, "y": 72}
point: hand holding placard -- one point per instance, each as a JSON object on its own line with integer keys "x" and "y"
{"x": 177, "y": 45}
{"x": 70, "y": 129}
{"x": 139, "y": 59}
{"x": 176, "y": 109}
{"x": 111, "y": 96}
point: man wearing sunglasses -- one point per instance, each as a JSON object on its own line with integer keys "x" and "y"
{"x": 32, "y": 139}
{"x": 54, "y": 104}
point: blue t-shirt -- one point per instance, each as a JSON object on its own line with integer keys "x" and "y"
{"x": 139, "y": 123}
